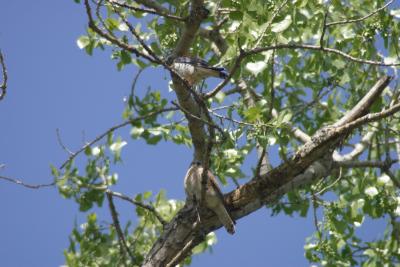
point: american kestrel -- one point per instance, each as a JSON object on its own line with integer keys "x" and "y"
{"x": 214, "y": 199}
{"x": 194, "y": 69}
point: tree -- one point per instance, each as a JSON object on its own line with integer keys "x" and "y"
{"x": 312, "y": 79}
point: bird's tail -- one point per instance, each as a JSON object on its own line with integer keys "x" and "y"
{"x": 225, "y": 218}
{"x": 218, "y": 72}
{"x": 223, "y": 74}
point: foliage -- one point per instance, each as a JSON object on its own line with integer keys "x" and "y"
{"x": 309, "y": 88}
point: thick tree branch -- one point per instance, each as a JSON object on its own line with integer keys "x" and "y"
{"x": 197, "y": 14}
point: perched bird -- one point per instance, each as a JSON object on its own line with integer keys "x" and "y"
{"x": 214, "y": 199}
{"x": 194, "y": 69}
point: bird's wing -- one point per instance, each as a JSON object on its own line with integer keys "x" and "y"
{"x": 213, "y": 182}
{"x": 197, "y": 62}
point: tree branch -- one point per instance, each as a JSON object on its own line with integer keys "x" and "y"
{"x": 30, "y": 186}
{"x": 364, "y": 164}
{"x": 118, "y": 126}
{"x": 361, "y": 18}
{"x": 160, "y": 12}
{"x": 197, "y": 14}
{"x": 150, "y": 208}
{"x": 154, "y": 5}
{"x": 362, "y": 106}
{"x": 114, "y": 215}
{"x": 113, "y": 39}
{"x": 3, "y": 85}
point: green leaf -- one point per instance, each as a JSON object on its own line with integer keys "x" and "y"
{"x": 83, "y": 41}
{"x": 282, "y": 25}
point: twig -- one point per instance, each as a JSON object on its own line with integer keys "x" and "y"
{"x": 146, "y": 10}
{"x": 272, "y": 96}
{"x": 243, "y": 54}
{"x": 260, "y": 162}
{"x": 104, "y": 134}
{"x": 321, "y": 40}
{"x": 139, "y": 38}
{"x": 359, "y": 19}
{"x": 221, "y": 85}
{"x": 114, "y": 215}
{"x": 319, "y": 48}
{"x": 133, "y": 88}
{"x": 315, "y": 207}
{"x": 138, "y": 203}
{"x": 371, "y": 117}
{"x": 274, "y": 15}
{"x": 30, "y": 186}
{"x": 331, "y": 185}
{"x": 392, "y": 177}
{"x": 364, "y": 164}
{"x": 113, "y": 39}
{"x": 3, "y": 85}
{"x": 198, "y": 118}
{"x": 184, "y": 252}
{"x": 153, "y": 5}
{"x": 363, "y": 105}
{"x": 60, "y": 142}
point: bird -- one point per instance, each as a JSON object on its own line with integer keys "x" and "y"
{"x": 214, "y": 199}
{"x": 194, "y": 69}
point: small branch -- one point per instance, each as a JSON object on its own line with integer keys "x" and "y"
{"x": 392, "y": 177}
{"x": 133, "y": 87}
{"x": 359, "y": 19}
{"x": 60, "y": 142}
{"x": 121, "y": 238}
{"x": 219, "y": 43}
{"x": 153, "y": 5}
{"x": 186, "y": 250}
{"x": 274, "y": 15}
{"x": 371, "y": 117}
{"x": 358, "y": 148}
{"x": 363, "y": 105}
{"x": 315, "y": 207}
{"x": 243, "y": 54}
{"x": 272, "y": 96}
{"x": 139, "y": 39}
{"x": 112, "y": 39}
{"x": 146, "y": 10}
{"x": 222, "y": 84}
{"x": 150, "y": 208}
{"x": 319, "y": 48}
{"x": 30, "y": 186}
{"x": 3, "y": 86}
{"x": 321, "y": 40}
{"x": 198, "y": 118}
{"x": 323, "y": 190}
{"x": 260, "y": 162}
{"x": 365, "y": 164}
{"x": 123, "y": 124}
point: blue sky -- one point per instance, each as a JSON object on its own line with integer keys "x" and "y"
{"x": 53, "y": 84}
